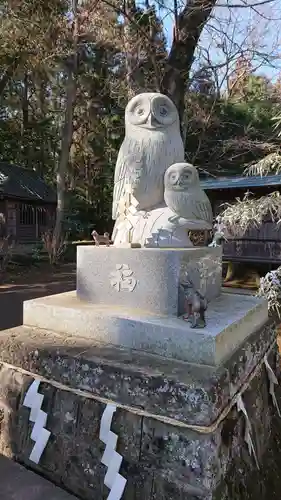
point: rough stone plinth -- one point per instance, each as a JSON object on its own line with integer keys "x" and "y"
{"x": 169, "y": 388}
{"x": 230, "y": 319}
{"x": 151, "y": 277}
{"x": 162, "y": 459}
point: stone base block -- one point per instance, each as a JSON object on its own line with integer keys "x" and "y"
{"x": 230, "y": 320}
{"x": 188, "y": 393}
{"x": 147, "y": 279}
{"x": 157, "y": 400}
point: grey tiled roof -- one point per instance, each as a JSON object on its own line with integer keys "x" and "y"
{"x": 19, "y": 182}
{"x": 240, "y": 182}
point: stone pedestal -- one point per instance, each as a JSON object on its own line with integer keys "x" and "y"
{"x": 230, "y": 320}
{"x": 179, "y": 430}
{"x": 146, "y": 279}
{"x": 131, "y": 298}
{"x": 178, "y": 391}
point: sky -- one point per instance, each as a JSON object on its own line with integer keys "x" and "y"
{"x": 230, "y": 31}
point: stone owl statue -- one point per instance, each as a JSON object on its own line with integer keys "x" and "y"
{"x": 184, "y": 195}
{"x": 152, "y": 143}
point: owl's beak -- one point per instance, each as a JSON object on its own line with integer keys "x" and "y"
{"x": 178, "y": 184}
{"x": 151, "y": 121}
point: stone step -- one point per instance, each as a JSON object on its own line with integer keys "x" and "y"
{"x": 230, "y": 319}
{"x": 18, "y": 483}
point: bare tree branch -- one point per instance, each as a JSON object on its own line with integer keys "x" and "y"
{"x": 191, "y": 22}
{"x": 245, "y": 4}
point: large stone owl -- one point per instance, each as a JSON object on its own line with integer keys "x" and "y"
{"x": 152, "y": 143}
{"x": 184, "y": 195}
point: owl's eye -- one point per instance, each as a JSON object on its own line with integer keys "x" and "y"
{"x": 163, "y": 111}
{"x": 140, "y": 111}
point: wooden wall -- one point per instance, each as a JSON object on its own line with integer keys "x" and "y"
{"x": 261, "y": 244}
{"x": 258, "y": 244}
{"x": 2, "y": 207}
{"x": 26, "y": 221}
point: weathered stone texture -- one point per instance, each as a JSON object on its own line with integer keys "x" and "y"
{"x": 185, "y": 392}
{"x": 162, "y": 461}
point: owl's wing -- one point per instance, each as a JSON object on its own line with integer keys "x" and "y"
{"x": 126, "y": 171}
{"x": 201, "y": 207}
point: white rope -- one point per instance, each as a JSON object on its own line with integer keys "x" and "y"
{"x": 143, "y": 413}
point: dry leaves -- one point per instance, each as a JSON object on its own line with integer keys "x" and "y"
{"x": 250, "y": 212}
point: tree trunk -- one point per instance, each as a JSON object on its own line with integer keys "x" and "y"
{"x": 133, "y": 75}
{"x": 25, "y": 120}
{"x": 24, "y": 104}
{"x": 67, "y": 133}
{"x": 66, "y": 141}
{"x": 189, "y": 25}
{"x": 43, "y": 114}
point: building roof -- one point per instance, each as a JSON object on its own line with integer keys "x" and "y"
{"x": 19, "y": 182}
{"x": 240, "y": 182}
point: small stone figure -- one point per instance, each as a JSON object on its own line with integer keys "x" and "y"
{"x": 217, "y": 239}
{"x": 219, "y": 234}
{"x": 183, "y": 193}
{"x": 98, "y": 238}
{"x": 195, "y": 306}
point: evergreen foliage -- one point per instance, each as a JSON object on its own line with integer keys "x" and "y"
{"x": 45, "y": 46}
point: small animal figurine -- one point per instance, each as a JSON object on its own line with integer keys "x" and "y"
{"x": 195, "y": 306}
{"x": 98, "y": 238}
{"x": 217, "y": 239}
{"x": 219, "y": 233}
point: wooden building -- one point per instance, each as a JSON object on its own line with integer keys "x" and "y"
{"x": 260, "y": 245}
{"x": 27, "y": 203}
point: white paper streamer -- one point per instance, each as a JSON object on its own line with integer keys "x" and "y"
{"x": 40, "y": 435}
{"x": 248, "y": 429}
{"x": 272, "y": 382}
{"x": 111, "y": 459}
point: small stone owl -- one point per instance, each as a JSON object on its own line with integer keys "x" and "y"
{"x": 184, "y": 195}
{"x": 152, "y": 143}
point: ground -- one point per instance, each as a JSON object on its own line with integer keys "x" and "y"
{"x": 17, "y": 483}
{"x": 28, "y": 283}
